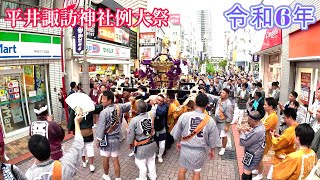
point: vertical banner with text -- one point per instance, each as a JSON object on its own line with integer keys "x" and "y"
{"x": 79, "y": 38}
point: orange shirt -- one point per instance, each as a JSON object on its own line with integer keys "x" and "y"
{"x": 297, "y": 165}
{"x": 270, "y": 122}
{"x": 176, "y": 102}
{"x": 284, "y": 145}
{"x": 171, "y": 117}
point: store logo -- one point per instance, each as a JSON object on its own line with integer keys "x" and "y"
{"x": 108, "y": 50}
{"x": 8, "y": 49}
{"x": 272, "y": 34}
{"x": 117, "y": 51}
{"x": 94, "y": 48}
{"x": 6, "y": 114}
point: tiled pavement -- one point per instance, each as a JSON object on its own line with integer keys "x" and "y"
{"x": 17, "y": 150}
{"x": 222, "y": 168}
{"x": 240, "y": 152}
{"x": 215, "y": 169}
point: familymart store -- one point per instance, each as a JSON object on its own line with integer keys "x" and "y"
{"x": 30, "y": 73}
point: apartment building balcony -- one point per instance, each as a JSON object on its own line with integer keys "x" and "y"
{"x": 11, "y": 4}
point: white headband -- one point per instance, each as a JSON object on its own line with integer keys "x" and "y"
{"x": 41, "y": 110}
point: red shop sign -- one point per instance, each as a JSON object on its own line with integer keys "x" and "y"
{"x": 272, "y": 38}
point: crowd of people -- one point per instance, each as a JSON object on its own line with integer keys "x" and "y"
{"x": 202, "y": 119}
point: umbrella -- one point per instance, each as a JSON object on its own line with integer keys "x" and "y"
{"x": 80, "y": 102}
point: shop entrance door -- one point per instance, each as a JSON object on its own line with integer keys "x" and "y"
{"x": 13, "y": 107}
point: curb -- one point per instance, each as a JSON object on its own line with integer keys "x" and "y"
{"x": 239, "y": 150}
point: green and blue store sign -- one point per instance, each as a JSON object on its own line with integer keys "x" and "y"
{"x": 19, "y": 45}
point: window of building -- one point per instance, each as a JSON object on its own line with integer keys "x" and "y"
{"x": 23, "y": 4}
{"x": 21, "y": 88}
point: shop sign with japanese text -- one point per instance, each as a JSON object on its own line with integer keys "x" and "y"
{"x": 28, "y": 50}
{"x": 79, "y": 38}
{"x": 96, "y": 49}
{"x": 114, "y": 34}
{"x": 147, "y": 39}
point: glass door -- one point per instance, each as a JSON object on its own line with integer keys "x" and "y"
{"x": 36, "y": 91}
{"x": 12, "y": 102}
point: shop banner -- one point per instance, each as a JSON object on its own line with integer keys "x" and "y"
{"x": 78, "y": 33}
{"x": 174, "y": 19}
{"x": 29, "y": 77}
{"x": 92, "y": 68}
{"x": 39, "y": 78}
{"x": 105, "y": 50}
{"x": 147, "y": 39}
{"x": 272, "y": 38}
{"x": 305, "y": 87}
{"x": 28, "y": 50}
{"x": 147, "y": 53}
{"x": 114, "y": 34}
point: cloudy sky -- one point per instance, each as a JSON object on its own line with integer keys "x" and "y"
{"x": 189, "y": 7}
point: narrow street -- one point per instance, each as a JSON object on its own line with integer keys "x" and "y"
{"x": 214, "y": 169}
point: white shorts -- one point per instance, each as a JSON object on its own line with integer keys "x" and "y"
{"x": 224, "y": 134}
{"x": 108, "y": 153}
{"x": 197, "y": 170}
{"x": 88, "y": 147}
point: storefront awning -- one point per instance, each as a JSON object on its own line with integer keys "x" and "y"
{"x": 309, "y": 58}
{"x": 108, "y": 62}
{"x": 272, "y": 50}
{"x": 272, "y": 42}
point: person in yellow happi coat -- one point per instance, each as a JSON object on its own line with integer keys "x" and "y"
{"x": 299, "y": 164}
{"x": 270, "y": 122}
{"x": 284, "y": 144}
{"x": 173, "y": 105}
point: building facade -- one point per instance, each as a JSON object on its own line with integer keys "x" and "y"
{"x": 300, "y": 68}
{"x": 241, "y": 49}
{"x": 108, "y": 48}
{"x": 30, "y": 72}
{"x": 269, "y": 58}
{"x": 204, "y": 21}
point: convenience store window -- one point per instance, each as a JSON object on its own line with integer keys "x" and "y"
{"x": 21, "y": 88}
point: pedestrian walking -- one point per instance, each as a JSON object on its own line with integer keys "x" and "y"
{"x": 195, "y": 131}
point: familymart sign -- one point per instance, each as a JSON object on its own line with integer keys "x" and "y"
{"x": 16, "y": 45}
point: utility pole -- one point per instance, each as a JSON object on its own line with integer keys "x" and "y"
{"x": 85, "y": 63}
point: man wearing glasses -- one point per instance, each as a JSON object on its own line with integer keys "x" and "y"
{"x": 160, "y": 125}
